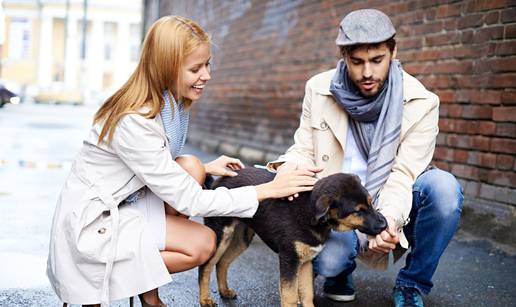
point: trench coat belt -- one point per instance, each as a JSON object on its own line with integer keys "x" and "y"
{"x": 110, "y": 202}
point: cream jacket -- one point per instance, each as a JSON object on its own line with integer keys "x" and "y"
{"x": 320, "y": 141}
{"x": 99, "y": 249}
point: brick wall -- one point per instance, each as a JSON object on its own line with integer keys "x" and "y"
{"x": 464, "y": 51}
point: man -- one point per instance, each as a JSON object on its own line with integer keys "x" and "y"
{"x": 371, "y": 118}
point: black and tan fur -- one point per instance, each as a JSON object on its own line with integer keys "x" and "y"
{"x": 296, "y": 230}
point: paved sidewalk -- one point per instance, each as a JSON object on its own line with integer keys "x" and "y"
{"x": 38, "y": 145}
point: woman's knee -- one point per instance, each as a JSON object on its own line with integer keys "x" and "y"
{"x": 205, "y": 247}
{"x": 441, "y": 189}
{"x": 193, "y": 166}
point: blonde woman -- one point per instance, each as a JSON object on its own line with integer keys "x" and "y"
{"x": 119, "y": 227}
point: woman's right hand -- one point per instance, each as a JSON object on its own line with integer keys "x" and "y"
{"x": 287, "y": 183}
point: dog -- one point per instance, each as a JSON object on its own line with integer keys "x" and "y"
{"x": 296, "y": 230}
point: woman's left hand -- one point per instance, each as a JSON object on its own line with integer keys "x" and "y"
{"x": 223, "y": 166}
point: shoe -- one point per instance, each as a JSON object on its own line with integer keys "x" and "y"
{"x": 339, "y": 288}
{"x": 144, "y": 303}
{"x": 407, "y": 297}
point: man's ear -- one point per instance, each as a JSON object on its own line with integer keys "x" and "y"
{"x": 322, "y": 205}
{"x": 395, "y": 51}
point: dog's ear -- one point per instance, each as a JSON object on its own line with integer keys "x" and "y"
{"x": 322, "y": 205}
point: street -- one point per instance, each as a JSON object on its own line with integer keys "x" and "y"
{"x": 38, "y": 145}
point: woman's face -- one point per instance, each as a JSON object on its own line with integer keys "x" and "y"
{"x": 196, "y": 73}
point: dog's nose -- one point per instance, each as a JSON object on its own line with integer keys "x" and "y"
{"x": 382, "y": 222}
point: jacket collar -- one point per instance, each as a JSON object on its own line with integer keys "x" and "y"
{"x": 412, "y": 88}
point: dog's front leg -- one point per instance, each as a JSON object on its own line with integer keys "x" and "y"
{"x": 289, "y": 270}
{"x": 306, "y": 284}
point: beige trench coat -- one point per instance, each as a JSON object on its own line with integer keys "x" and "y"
{"x": 99, "y": 249}
{"x": 320, "y": 141}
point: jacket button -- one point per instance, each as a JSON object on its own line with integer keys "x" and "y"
{"x": 324, "y": 125}
{"x": 102, "y": 230}
{"x": 325, "y": 158}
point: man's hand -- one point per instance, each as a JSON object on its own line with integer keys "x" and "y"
{"x": 223, "y": 166}
{"x": 289, "y": 166}
{"x": 386, "y": 240}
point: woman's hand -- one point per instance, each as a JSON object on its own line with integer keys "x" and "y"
{"x": 223, "y": 166}
{"x": 289, "y": 166}
{"x": 287, "y": 183}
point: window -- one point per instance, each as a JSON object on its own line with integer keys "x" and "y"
{"x": 19, "y": 39}
{"x": 109, "y": 40}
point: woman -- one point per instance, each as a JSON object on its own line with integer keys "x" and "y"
{"x": 111, "y": 235}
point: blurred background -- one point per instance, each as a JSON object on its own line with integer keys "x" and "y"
{"x": 60, "y": 59}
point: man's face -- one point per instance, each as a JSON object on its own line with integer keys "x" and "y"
{"x": 368, "y": 67}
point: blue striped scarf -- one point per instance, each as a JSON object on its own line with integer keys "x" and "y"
{"x": 375, "y": 121}
{"x": 175, "y": 120}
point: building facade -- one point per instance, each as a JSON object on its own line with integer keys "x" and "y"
{"x": 47, "y": 52}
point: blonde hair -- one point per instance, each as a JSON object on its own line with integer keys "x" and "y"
{"x": 169, "y": 40}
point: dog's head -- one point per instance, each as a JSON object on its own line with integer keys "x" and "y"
{"x": 342, "y": 202}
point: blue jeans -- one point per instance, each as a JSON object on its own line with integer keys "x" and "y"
{"x": 435, "y": 214}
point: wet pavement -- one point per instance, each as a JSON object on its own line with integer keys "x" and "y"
{"x": 38, "y": 145}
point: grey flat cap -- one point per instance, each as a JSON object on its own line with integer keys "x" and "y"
{"x": 366, "y": 26}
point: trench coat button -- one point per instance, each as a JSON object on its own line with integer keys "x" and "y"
{"x": 324, "y": 125}
{"x": 102, "y": 230}
{"x": 325, "y": 158}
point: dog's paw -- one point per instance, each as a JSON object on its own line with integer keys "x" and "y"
{"x": 228, "y": 293}
{"x": 207, "y": 302}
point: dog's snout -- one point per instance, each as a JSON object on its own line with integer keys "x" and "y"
{"x": 382, "y": 222}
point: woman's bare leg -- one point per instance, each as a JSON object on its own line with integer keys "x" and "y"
{"x": 188, "y": 244}
{"x": 180, "y": 254}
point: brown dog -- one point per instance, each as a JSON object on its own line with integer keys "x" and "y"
{"x": 295, "y": 230}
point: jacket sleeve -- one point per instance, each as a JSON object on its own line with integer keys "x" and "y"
{"x": 302, "y": 151}
{"x": 139, "y": 144}
{"x": 414, "y": 155}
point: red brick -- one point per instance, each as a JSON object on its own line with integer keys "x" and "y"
{"x": 443, "y": 153}
{"x": 502, "y": 178}
{"x": 465, "y": 171}
{"x": 442, "y": 39}
{"x": 459, "y": 141}
{"x": 470, "y": 21}
{"x": 477, "y": 112}
{"x": 445, "y": 96}
{"x": 443, "y": 165}
{"x": 480, "y": 142}
{"x": 503, "y": 81}
{"x": 506, "y": 48}
{"x": 509, "y": 97}
{"x": 506, "y": 64}
{"x": 486, "y": 34}
{"x": 504, "y": 162}
{"x": 503, "y": 145}
{"x": 487, "y": 160}
{"x": 478, "y": 96}
{"x": 505, "y": 130}
{"x": 484, "y": 5}
{"x": 455, "y": 110}
{"x": 449, "y": 10}
{"x": 508, "y": 15}
{"x": 460, "y": 156}
{"x": 485, "y": 127}
{"x": 504, "y": 114}
{"x": 510, "y": 31}
{"x": 491, "y": 17}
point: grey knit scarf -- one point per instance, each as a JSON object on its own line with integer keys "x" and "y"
{"x": 375, "y": 121}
